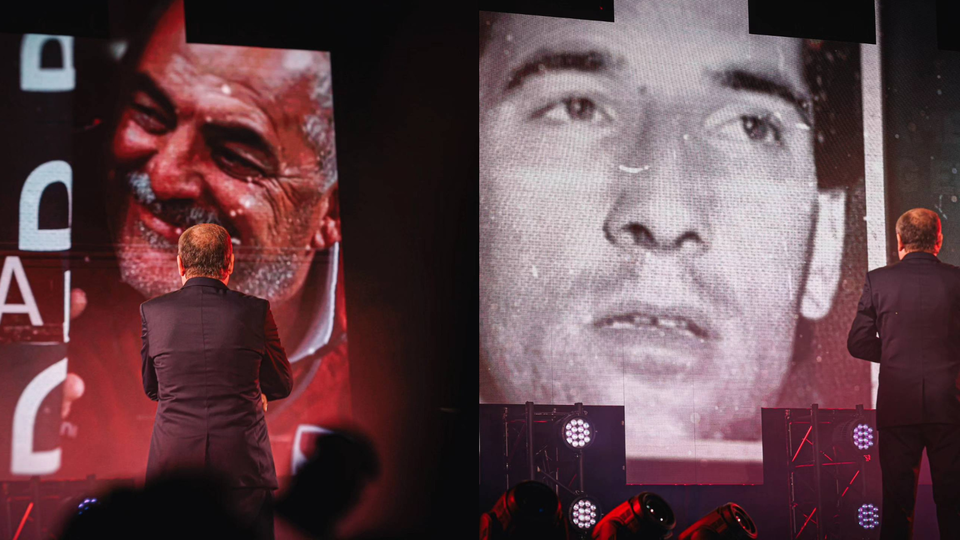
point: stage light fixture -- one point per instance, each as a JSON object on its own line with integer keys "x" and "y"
{"x": 86, "y": 504}
{"x": 528, "y": 510}
{"x": 863, "y": 436}
{"x": 868, "y": 517}
{"x": 584, "y": 513}
{"x": 644, "y": 517}
{"x": 78, "y": 505}
{"x": 576, "y": 432}
{"x": 856, "y": 432}
{"x": 730, "y": 521}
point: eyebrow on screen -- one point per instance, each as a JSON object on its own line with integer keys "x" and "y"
{"x": 147, "y": 85}
{"x": 587, "y": 62}
{"x": 596, "y": 61}
{"x": 748, "y": 81}
{"x": 220, "y": 131}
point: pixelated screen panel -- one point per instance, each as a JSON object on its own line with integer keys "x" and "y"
{"x": 672, "y": 220}
{"x": 114, "y": 147}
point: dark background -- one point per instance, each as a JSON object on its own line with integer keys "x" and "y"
{"x": 921, "y": 115}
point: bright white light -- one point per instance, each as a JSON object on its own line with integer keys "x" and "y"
{"x": 583, "y": 514}
{"x": 863, "y": 437}
{"x": 577, "y": 433}
{"x": 868, "y": 516}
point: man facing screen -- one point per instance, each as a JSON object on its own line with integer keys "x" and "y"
{"x": 209, "y": 355}
{"x": 908, "y": 321}
{"x": 237, "y": 136}
{"x": 651, "y": 223}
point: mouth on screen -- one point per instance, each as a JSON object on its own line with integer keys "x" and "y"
{"x": 165, "y": 230}
{"x": 169, "y": 232}
{"x": 639, "y": 321}
{"x": 664, "y": 344}
{"x": 153, "y": 213}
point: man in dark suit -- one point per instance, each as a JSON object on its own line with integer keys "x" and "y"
{"x": 908, "y": 320}
{"x": 212, "y": 358}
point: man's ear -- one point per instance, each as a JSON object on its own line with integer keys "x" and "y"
{"x": 328, "y": 230}
{"x": 823, "y": 270}
{"x": 230, "y": 269}
{"x": 180, "y": 266}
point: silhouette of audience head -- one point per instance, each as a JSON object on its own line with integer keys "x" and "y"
{"x": 196, "y": 504}
{"x": 330, "y": 483}
{"x": 186, "y": 505}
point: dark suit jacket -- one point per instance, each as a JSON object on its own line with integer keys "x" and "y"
{"x": 914, "y": 305}
{"x": 208, "y": 353}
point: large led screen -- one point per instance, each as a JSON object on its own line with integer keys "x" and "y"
{"x": 113, "y": 147}
{"x": 671, "y": 219}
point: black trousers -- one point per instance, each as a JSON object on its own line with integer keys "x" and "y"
{"x": 901, "y": 450}
{"x": 254, "y": 510}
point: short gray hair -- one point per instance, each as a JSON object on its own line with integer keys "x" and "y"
{"x": 919, "y": 229}
{"x": 205, "y": 251}
{"x": 318, "y": 127}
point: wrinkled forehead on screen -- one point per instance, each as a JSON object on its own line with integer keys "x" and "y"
{"x": 673, "y": 47}
{"x": 267, "y": 75}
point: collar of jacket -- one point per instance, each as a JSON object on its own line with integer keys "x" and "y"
{"x": 913, "y": 255}
{"x": 204, "y": 282}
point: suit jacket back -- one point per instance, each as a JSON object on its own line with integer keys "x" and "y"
{"x": 914, "y": 305}
{"x": 208, "y": 353}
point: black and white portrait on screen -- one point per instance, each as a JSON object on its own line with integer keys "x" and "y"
{"x": 666, "y": 211}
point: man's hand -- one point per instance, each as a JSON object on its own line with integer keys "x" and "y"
{"x": 264, "y": 399}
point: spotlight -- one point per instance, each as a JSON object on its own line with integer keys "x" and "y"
{"x": 644, "y": 517}
{"x": 78, "y": 505}
{"x": 78, "y": 509}
{"x": 86, "y": 504}
{"x": 730, "y": 521}
{"x": 576, "y": 432}
{"x": 868, "y": 516}
{"x": 863, "y": 436}
{"x": 528, "y": 510}
{"x": 856, "y": 433}
{"x": 584, "y": 513}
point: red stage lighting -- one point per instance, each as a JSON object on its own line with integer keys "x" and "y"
{"x": 528, "y": 510}
{"x": 643, "y": 517}
{"x": 728, "y": 522}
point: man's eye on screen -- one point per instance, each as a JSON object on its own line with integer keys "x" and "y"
{"x": 573, "y": 109}
{"x": 148, "y": 120}
{"x": 753, "y": 128}
{"x": 149, "y": 117}
{"x": 234, "y": 164}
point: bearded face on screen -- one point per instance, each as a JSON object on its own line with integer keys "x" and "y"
{"x": 238, "y": 136}
{"x": 651, "y": 226}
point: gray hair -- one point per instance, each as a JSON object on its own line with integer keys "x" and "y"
{"x": 205, "y": 251}
{"x": 919, "y": 229}
{"x": 318, "y": 127}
